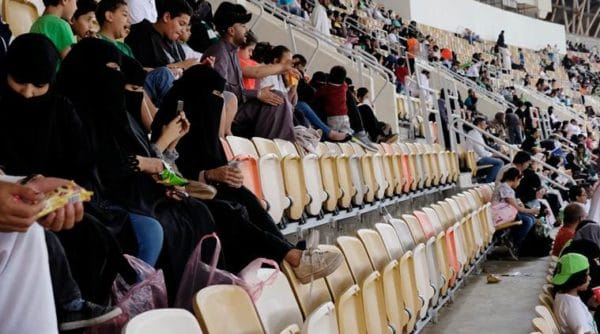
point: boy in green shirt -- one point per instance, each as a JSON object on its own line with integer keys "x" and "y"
{"x": 55, "y": 24}
{"x": 113, "y": 18}
{"x": 82, "y": 22}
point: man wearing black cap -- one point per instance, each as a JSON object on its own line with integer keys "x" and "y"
{"x": 262, "y": 112}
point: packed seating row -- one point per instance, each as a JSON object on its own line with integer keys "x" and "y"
{"x": 337, "y": 177}
{"x": 395, "y": 277}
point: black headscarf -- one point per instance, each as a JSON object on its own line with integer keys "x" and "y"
{"x": 200, "y": 89}
{"x": 40, "y": 134}
{"x": 134, "y": 75}
{"x": 33, "y": 59}
{"x": 98, "y": 92}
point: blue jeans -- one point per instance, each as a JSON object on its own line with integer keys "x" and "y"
{"x": 519, "y": 233}
{"x": 149, "y": 235}
{"x": 493, "y": 171}
{"x": 312, "y": 117}
{"x": 157, "y": 84}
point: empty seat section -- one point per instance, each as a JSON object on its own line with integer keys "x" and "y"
{"x": 397, "y": 312}
{"x": 347, "y": 296}
{"x": 337, "y": 178}
{"x": 226, "y": 309}
{"x": 311, "y": 174}
{"x": 388, "y": 171}
{"x": 362, "y": 179}
{"x": 370, "y": 282}
{"x": 277, "y": 306}
{"x": 161, "y": 321}
{"x": 271, "y": 176}
{"x": 293, "y": 176}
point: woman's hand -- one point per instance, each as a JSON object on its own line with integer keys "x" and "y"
{"x": 226, "y": 174}
{"x": 150, "y": 165}
{"x": 19, "y": 205}
{"x": 61, "y": 219}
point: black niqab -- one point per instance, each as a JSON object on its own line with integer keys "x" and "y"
{"x": 200, "y": 89}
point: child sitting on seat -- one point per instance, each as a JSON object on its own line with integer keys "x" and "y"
{"x": 505, "y": 194}
{"x": 570, "y": 277}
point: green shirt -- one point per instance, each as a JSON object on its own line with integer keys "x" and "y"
{"x": 124, "y": 48}
{"x": 56, "y": 29}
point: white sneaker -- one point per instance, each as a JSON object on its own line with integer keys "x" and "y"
{"x": 317, "y": 263}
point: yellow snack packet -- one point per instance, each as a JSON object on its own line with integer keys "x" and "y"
{"x": 62, "y": 196}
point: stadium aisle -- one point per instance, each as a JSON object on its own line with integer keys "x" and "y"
{"x": 495, "y": 308}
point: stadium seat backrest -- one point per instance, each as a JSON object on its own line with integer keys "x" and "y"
{"x": 415, "y": 229}
{"x": 547, "y": 315}
{"x": 271, "y": 177}
{"x": 370, "y": 282}
{"x": 348, "y": 298}
{"x": 277, "y": 306}
{"x": 309, "y": 296}
{"x": 312, "y": 175}
{"x": 425, "y": 223}
{"x": 322, "y": 320}
{"x": 396, "y": 168}
{"x": 293, "y": 175}
{"x": 364, "y": 190}
{"x": 226, "y": 309}
{"x": 434, "y": 219}
{"x": 394, "y": 301}
{"x": 404, "y": 234}
{"x": 390, "y": 240}
{"x": 20, "y": 15}
{"x": 160, "y": 321}
{"x": 329, "y": 177}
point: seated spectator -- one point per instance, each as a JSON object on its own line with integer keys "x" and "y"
{"x": 290, "y": 6}
{"x": 471, "y": 100}
{"x": 263, "y": 112}
{"x": 378, "y": 131}
{"x": 514, "y": 127}
{"x": 187, "y": 50}
{"x": 331, "y": 97}
{"x": 505, "y": 192}
{"x": 24, "y": 265}
{"x": 319, "y": 18}
{"x": 54, "y": 24}
{"x": 497, "y": 126}
{"x": 579, "y": 196}
{"x": 33, "y": 113}
{"x": 245, "y": 53}
{"x": 401, "y": 72}
{"x": 113, "y": 18}
{"x": 521, "y": 161}
{"x": 573, "y": 215}
{"x": 571, "y": 277}
{"x": 140, "y": 10}
{"x": 531, "y": 143}
{"x": 306, "y": 93}
{"x": 476, "y": 143}
{"x": 155, "y": 46}
{"x": 201, "y": 157}
{"x": 83, "y": 19}
{"x": 203, "y": 30}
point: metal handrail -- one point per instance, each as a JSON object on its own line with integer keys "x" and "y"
{"x": 300, "y": 25}
{"x": 469, "y": 83}
{"x": 553, "y": 103}
{"x": 367, "y": 59}
{"x": 456, "y": 124}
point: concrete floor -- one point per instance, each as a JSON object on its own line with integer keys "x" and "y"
{"x": 503, "y": 308}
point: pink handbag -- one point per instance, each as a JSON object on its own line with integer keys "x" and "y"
{"x": 503, "y": 212}
{"x": 198, "y": 275}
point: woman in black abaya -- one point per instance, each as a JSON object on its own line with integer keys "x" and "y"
{"x": 40, "y": 133}
{"x": 200, "y": 152}
{"x": 90, "y": 76}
